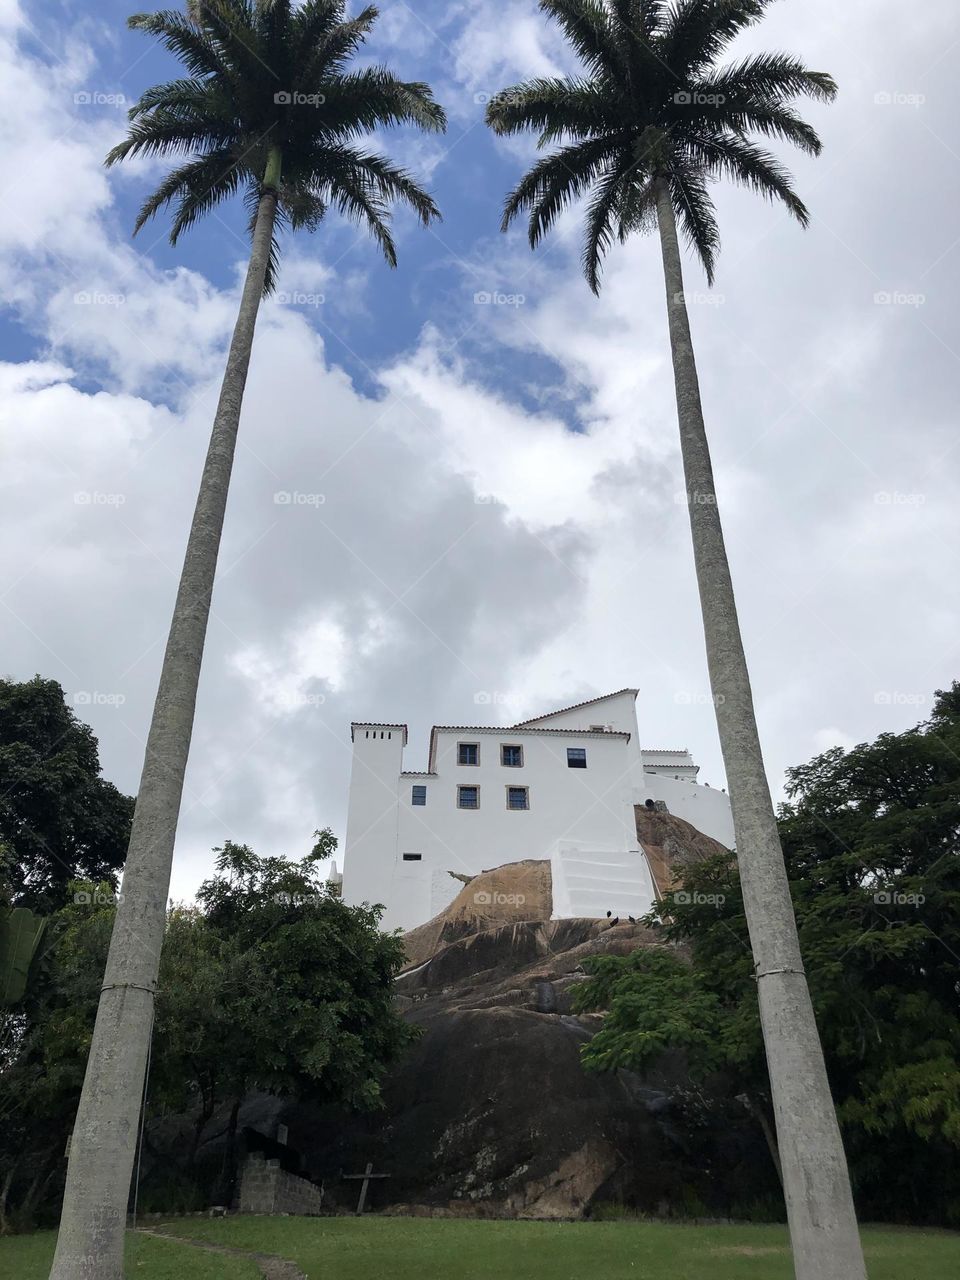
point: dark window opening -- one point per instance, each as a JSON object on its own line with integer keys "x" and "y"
{"x": 413, "y": 857}
{"x": 518, "y": 798}
{"x": 511, "y": 757}
{"x": 468, "y": 753}
{"x": 419, "y": 796}
{"x": 468, "y": 797}
{"x": 576, "y": 758}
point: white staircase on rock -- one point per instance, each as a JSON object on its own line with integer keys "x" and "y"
{"x": 588, "y": 883}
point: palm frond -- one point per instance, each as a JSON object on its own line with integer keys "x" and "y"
{"x": 698, "y": 31}
{"x": 556, "y": 181}
{"x": 556, "y": 107}
{"x": 162, "y": 132}
{"x": 603, "y": 209}
{"x": 729, "y": 156}
{"x": 587, "y": 26}
{"x": 772, "y": 78}
{"x": 334, "y": 48}
{"x": 198, "y": 186}
{"x": 181, "y": 37}
{"x": 369, "y": 99}
{"x": 234, "y": 114}
{"x": 696, "y": 215}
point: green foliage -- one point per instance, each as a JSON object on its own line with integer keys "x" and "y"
{"x": 59, "y": 820}
{"x": 653, "y": 105}
{"x": 269, "y": 983}
{"x": 268, "y": 84}
{"x": 21, "y": 933}
{"x": 872, "y": 842}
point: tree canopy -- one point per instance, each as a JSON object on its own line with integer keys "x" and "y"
{"x": 59, "y": 819}
{"x": 652, "y": 103}
{"x": 269, "y": 99}
{"x": 872, "y": 841}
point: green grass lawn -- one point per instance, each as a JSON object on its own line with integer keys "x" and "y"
{"x": 411, "y": 1248}
{"x": 29, "y": 1258}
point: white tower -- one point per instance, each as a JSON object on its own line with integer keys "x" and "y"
{"x": 372, "y": 810}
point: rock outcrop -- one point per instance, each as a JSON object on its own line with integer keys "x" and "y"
{"x": 492, "y": 1112}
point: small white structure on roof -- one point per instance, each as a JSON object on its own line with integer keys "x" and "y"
{"x": 562, "y": 787}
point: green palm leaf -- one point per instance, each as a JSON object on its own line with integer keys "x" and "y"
{"x": 654, "y": 101}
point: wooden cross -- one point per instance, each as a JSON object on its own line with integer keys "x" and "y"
{"x": 366, "y": 1176}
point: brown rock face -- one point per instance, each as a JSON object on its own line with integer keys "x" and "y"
{"x": 492, "y": 1113}
{"x": 670, "y": 845}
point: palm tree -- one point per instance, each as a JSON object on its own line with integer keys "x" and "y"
{"x": 268, "y": 107}
{"x": 645, "y": 128}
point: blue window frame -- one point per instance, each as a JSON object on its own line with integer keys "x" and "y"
{"x": 418, "y": 796}
{"x": 511, "y": 757}
{"x": 576, "y": 758}
{"x": 468, "y": 753}
{"x": 518, "y": 797}
{"x": 468, "y": 797}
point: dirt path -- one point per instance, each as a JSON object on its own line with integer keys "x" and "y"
{"x": 271, "y": 1267}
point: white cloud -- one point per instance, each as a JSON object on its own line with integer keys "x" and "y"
{"x": 385, "y": 588}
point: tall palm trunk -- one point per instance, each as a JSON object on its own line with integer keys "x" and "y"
{"x": 823, "y": 1225}
{"x": 90, "y": 1244}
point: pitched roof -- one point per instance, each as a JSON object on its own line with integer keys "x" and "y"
{"x": 577, "y": 705}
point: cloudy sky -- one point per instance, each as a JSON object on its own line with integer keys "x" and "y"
{"x": 483, "y": 520}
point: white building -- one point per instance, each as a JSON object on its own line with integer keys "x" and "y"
{"x": 562, "y": 787}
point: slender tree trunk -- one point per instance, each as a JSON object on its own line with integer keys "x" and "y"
{"x": 91, "y": 1240}
{"x": 823, "y": 1224}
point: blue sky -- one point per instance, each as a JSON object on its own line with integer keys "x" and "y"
{"x": 490, "y": 492}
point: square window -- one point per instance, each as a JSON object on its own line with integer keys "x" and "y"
{"x": 576, "y": 758}
{"x": 518, "y": 797}
{"x": 419, "y": 795}
{"x": 511, "y": 757}
{"x": 468, "y": 797}
{"x": 468, "y": 753}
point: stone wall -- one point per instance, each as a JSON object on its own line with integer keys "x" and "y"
{"x": 266, "y": 1188}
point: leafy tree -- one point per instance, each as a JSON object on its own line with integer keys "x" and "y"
{"x": 649, "y": 123}
{"x": 270, "y": 108}
{"x": 269, "y": 984}
{"x": 59, "y": 819}
{"x": 872, "y": 839}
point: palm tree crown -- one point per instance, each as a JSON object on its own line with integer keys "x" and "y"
{"x": 653, "y": 105}
{"x": 269, "y": 102}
